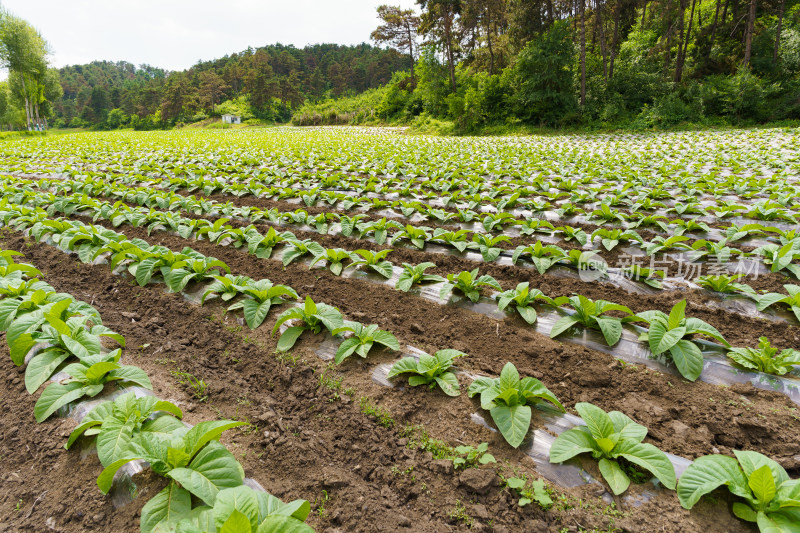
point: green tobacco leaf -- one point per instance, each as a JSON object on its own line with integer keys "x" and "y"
{"x": 42, "y": 366}
{"x": 706, "y": 474}
{"x": 114, "y": 439}
{"x": 168, "y": 506}
{"x": 572, "y": 442}
{"x": 597, "y": 420}
{"x": 513, "y": 422}
{"x": 54, "y": 397}
{"x": 239, "y": 499}
{"x": 255, "y": 312}
{"x": 403, "y": 366}
{"x": 688, "y": 359}
{"x": 762, "y": 484}
{"x": 283, "y": 524}
{"x": 650, "y": 458}
{"x": 611, "y": 328}
{"x": 448, "y": 383}
{"x": 289, "y": 337}
{"x": 661, "y": 339}
{"x": 562, "y": 325}
{"x": 614, "y": 476}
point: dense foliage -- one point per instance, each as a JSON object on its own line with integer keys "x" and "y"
{"x": 505, "y": 63}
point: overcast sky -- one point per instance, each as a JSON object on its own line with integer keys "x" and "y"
{"x": 175, "y": 34}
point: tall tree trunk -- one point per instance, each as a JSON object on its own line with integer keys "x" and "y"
{"x": 714, "y": 24}
{"x": 551, "y": 16}
{"x": 748, "y": 43}
{"x": 489, "y": 44}
{"x": 27, "y": 102}
{"x": 411, "y": 53}
{"x": 448, "y": 36}
{"x": 679, "y": 59}
{"x": 615, "y": 38}
{"x": 688, "y": 35}
{"x": 644, "y": 12}
{"x": 778, "y": 33}
{"x": 602, "y": 37}
{"x": 583, "y": 51}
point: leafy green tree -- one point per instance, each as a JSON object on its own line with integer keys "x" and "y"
{"x": 542, "y": 77}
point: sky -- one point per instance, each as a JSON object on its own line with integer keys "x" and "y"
{"x": 176, "y": 34}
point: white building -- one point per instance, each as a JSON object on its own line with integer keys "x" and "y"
{"x": 231, "y": 119}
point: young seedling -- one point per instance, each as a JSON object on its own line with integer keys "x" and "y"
{"x": 534, "y": 491}
{"x": 609, "y": 437}
{"x": 415, "y": 275}
{"x": 297, "y": 249}
{"x": 373, "y": 260}
{"x": 259, "y": 297}
{"x": 468, "y": 456}
{"x": 193, "y": 269}
{"x": 362, "y": 340}
{"x": 335, "y": 258}
{"x": 668, "y": 334}
{"x": 509, "y": 398}
{"x": 792, "y": 300}
{"x": 431, "y": 370}
{"x": 456, "y": 239}
{"x": 649, "y": 276}
{"x": 262, "y": 245}
{"x": 312, "y": 316}
{"x": 116, "y": 422}
{"x": 543, "y": 257}
{"x": 772, "y": 499}
{"x": 726, "y": 284}
{"x": 488, "y": 245}
{"x": 592, "y": 314}
{"x": 87, "y": 378}
{"x": 522, "y": 298}
{"x": 226, "y": 287}
{"x": 468, "y": 283}
{"x": 765, "y": 358}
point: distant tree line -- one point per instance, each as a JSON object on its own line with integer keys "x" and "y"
{"x": 267, "y": 83}
{"x": 558, "y": 62}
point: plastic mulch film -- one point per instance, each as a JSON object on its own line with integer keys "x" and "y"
{"x": 716, "y": 368}
{"x": 538, "y": 442}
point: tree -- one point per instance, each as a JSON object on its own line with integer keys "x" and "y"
{"x": 24, "y": 52}
{"x": 399, "y": 30}
{"x": 543, "y": 77}
{"x": 439, "y": 20}
{"x": 212, "y": 87}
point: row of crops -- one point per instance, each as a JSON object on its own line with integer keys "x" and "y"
{"x": 538, "y": 207}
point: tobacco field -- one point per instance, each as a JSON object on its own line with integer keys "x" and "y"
{"x": 352, "y": 329}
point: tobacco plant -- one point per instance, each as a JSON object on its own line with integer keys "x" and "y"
{"x": 115, "y": 422}
{"x": 258, "y": 297}
{"x": 373, "y": 260}
{"x": 335, "y": 258}
{"x": 432, "y": 370}
{"x": 765, "y": 358}
{"x": 509, "y": 398}
{"x": 312, "y": 317}
{"x": 771, "y": 498}
{"x": 87, "y": 378}
{"x": 522, "y": 298}
{"x": 609, "y": 437}
{"x": 415, "y": 275}
{"x": 592, "y": 314}
{"x": 792, "y": 300}
{"x": 672, "y": 334}
{"x": 468, "y": 283}
{"x": 362, "y": 340}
